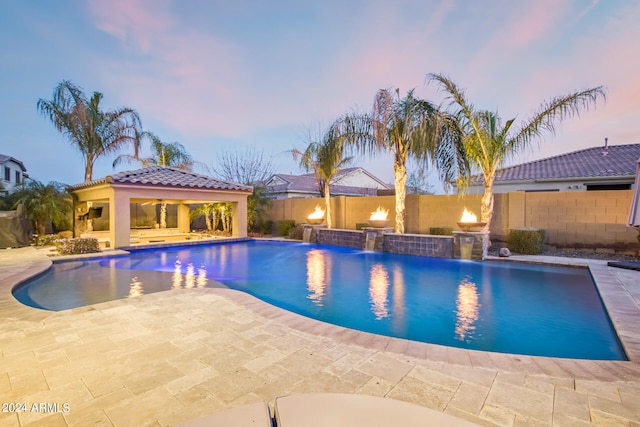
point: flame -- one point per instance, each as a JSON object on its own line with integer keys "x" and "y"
{"x": 379, "y": 214}
{"x": 468, "y": 216}
{"x": 317, "y": 214}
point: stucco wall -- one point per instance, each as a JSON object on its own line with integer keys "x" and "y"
{"x": 592, "y": 220}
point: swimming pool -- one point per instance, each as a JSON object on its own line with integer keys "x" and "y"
{"x": 493, "y": 306}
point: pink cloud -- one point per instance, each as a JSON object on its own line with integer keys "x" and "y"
{"x": 131, "y": 21}
{"x": 205, "y": 86}
{"x": 530, "y": 23}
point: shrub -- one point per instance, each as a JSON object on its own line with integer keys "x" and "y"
{"x": 46, "y": 240}
{"x": 528, "y": 241}
{"x": 266, "y": 227}
{"x": 285, "y": 226}
{"x": 77, "y": 246}
{"x": 65, "y": 234}
{"x": 296, "y": 232}
{"x": 361, "y": 225}
{"x": 441, "y": 231}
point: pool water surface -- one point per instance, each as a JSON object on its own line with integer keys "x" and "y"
{"x": 505, "y": 307}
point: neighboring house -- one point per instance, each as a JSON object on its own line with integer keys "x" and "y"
{"x": 13, "y": 173}
{"x": 347, "y": 182}
{"x": 608, "y": 167}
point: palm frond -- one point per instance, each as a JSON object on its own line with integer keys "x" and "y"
{"x": 550, "y": 113}
{"x": 84, "y": 124}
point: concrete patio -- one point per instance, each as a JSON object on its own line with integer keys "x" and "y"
{"x": 165, "y": 358}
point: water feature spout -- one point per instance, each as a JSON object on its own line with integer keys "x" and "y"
{"x": 306, "y": 234}
{"x": 370, "y": 240}
{"x": 466, "y": 246}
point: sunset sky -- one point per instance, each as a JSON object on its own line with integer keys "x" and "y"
{"x": 219, "y": 75}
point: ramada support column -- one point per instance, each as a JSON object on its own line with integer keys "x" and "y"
{"x": 119, "y": 220}
{"x": 239, "y": 218}
{"x": 183, "y": 218}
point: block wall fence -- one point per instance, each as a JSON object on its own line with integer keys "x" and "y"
{"x": 590, "y": 220}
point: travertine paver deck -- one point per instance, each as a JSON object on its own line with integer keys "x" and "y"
{"x": 168, "y": 357}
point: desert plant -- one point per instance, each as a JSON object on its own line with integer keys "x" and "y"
{"x": 44, "y": 203}
{"x": 407, "y": 128}
{"x": 488, "y": 141}
{"x": 527, "y": 241}
{"x": 266, "y": 227}
{"x": 77, "y": 246}
{"x": 296, "y": 232}
{"x": 441, "y": 231}
{"x": 46, "y": 239}
{"x": 95, "y": 132}
{"x": 324, "y": 157}
{"x": 285, "y": 226}
{"x": 257, "y": 205}
{"x": 67, "y": 234}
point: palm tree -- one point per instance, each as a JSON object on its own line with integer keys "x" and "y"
{"x": 488, "y": 141}
{"x": 44, "y": 203}
{"x": 257, "y": 201}
{"x": 93, "y": 131}
{"x": 210, "y": 213}
{"x": 171, "y": 154}
{"x": 167, "y": 154}
{"x": 324, "y": 158}
{"x": 406, "y": 127}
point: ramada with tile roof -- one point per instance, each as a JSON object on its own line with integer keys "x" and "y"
{"x": 172, "y": 186}
{"x": 354, "y": 181}
{"x": 165, "y": 176}
{"x": 609, "y": 167}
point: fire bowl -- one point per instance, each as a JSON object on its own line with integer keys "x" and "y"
{"x": 471, "y": 226}
{"x": 378, "y": 223}
{"x": 315, "y": 221}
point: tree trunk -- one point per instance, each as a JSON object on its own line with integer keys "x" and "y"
{"x": 40, "y": 228}
{"x": 89, "y": 224}
{"x": 163, "y": 215}
{"x": 88, "y": 169}
{"x": 207, "y": 219}
{"x": 327, "y": 203}
{"x": 400, "y": 180}
{"x": 226, "y": 219}
{"x": 215, "y": 218}
{"x": 486, "y": 204}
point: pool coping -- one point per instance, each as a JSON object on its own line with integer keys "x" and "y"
{"x": 620, "y": 304}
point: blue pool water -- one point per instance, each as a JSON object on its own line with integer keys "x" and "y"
{"x": 493, "y": 306}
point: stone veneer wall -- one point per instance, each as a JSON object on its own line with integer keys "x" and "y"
{"x": 407, "y": 244}
{"x": 419, "y": 244}
{"x": 349, "y": 238}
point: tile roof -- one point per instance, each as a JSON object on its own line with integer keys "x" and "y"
{"x": 165, "y": 177}
{"x": 595, "y": 162}
{"x": 307, "y": 184}
{"x": 4, "y": 158}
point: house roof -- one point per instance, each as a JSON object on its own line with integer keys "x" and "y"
{"x": 163, "y": 176}
{"x": 595, "y": 162}
{"x": 4, "y": 159}
{"x": 307, "y": 183}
